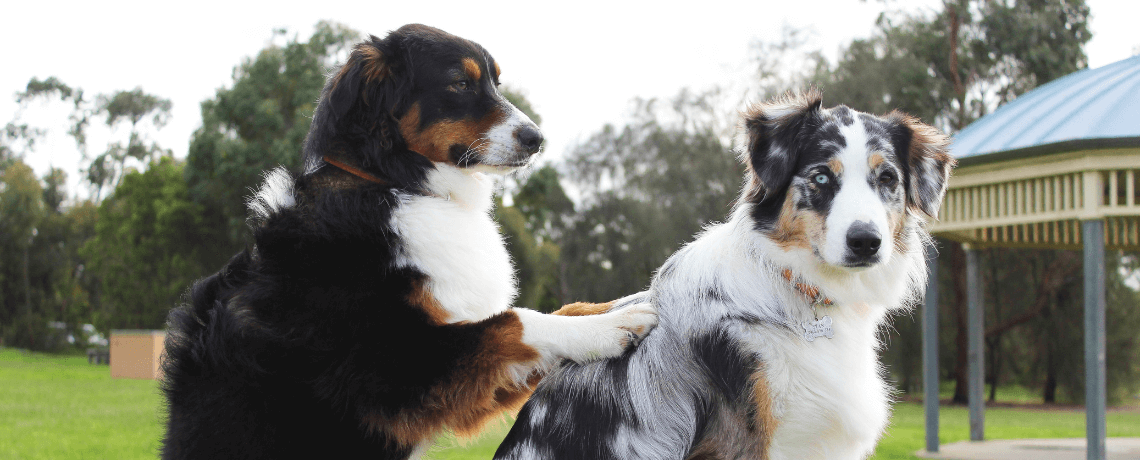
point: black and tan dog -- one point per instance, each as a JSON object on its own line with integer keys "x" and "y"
{"x": 374, "y": 311}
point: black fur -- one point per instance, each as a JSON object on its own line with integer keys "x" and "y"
{"x": 298, "y": 342}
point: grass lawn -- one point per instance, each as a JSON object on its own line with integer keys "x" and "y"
{"x": 59, "y": 407}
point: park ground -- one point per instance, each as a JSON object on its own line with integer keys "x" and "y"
{"x": 59, "y": 407}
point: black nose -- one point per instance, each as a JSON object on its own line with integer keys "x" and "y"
{"x": 530, "y": 138}
{"x": 863, "y": 239}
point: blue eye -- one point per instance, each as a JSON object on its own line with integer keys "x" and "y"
{"x": 821, "y": 179}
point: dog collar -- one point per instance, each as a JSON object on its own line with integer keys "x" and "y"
{"x": 368, "y": 177}
{"x": 819, "y": 327}
{"x": 809, "y": 291}
{"x": 354, "y": 171}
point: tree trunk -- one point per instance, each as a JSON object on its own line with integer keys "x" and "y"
{"x": 959, "y": 88}
{"x": 27, "y": 282}
{"x": 1050, "y": 389}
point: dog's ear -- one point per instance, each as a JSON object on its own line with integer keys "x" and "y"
{"x": 772, "y": 132}
{"x": 924, "y": 153}
{"x": 368, "y": 66}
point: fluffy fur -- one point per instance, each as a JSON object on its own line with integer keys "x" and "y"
{"x": 374, "y": 309}
{"x": 837, "y": 200}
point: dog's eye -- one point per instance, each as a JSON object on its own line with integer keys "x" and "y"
{"x": 887, "y": 178}
{"x": 821, "y": 179}
{"x": 462, "y": 85}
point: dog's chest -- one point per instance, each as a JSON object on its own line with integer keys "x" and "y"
{"x": 462, "y": 253}
{"x": 827, "y": 396}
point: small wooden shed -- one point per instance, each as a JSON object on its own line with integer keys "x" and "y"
{"x": 136, "y": 354}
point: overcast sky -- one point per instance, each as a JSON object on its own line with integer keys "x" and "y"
{"x": 579, "y": 63}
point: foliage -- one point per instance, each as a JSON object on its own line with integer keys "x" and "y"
{"x": 145, "y": 247}
{"x": 256, "y": 124}
{"x": 958, "y": 65}
{"x": 21, "y": 210}
{"x": 132, "y": 107}
{"x": 647, "y": 188}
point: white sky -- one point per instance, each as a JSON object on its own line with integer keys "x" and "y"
{"x": 580, "y": 63}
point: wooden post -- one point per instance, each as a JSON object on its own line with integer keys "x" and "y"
{"x": 1092, "y": 233}
{"x": 975, "y": 324}
{"x": 930, "y": 381}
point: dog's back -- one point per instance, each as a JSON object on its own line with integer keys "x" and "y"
{"x": 247, "y": 360}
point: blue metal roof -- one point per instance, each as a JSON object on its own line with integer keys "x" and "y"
{"x": 1091, "y": 104}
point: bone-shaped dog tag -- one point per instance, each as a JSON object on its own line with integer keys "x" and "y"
{"x": 818, "y": 328}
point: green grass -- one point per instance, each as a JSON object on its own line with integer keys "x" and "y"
{"x": 59, "y": 407}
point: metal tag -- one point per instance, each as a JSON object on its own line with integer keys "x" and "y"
{"x": 818, "y": 328}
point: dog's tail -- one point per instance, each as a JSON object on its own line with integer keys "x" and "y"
{"x": 199, "y": 331}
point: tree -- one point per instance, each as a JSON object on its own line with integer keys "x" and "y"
{"x": 21, "y": 210}
{"x": 144, "y": 253}
{"x": 256, "y": 124}
{"x": 647, "y": 188}
{"x": 958, "y": 65}
{"x": 134, "y": 106}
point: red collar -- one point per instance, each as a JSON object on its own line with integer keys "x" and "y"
{"x": 809, "y": 291}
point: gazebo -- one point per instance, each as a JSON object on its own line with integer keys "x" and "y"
{"x": 1057, "y": 168}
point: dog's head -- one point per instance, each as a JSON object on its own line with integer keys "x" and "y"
{"x": 845, "y": 185}
{"x": 417, "y": 98}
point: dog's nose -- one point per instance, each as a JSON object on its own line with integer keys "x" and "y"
{"x": 863, "y": 239}
{"x": 530, "y": 138}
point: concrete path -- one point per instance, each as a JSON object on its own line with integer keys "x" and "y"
{"x": 1033, "y": 449}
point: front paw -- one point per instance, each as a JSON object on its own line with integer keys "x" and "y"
{"x": 637, "y": 320}
{"x": 617, "y": 331}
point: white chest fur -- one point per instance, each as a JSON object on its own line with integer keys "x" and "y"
{"x": 828, "y": 396}
{"x": 452, "y": 239}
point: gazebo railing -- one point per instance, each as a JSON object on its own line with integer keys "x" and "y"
{"x": 1043, "y": 204}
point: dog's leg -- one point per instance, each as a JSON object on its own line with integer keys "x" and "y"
{"x": 583, "y": 309}
{"x": 583, "y": 332}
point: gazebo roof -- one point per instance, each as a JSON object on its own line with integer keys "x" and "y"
{"x": 1091, "y": 108}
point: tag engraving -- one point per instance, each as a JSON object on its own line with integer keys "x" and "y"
{"x": 818, "y": 328}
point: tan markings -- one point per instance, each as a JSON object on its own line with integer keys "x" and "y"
{"x": 926, "y": 144}
{"x": 740, "y": 429}
{"x": 497, "y": 71}
{"x": 764, "y": 419}
{"x": 836, "y": 166}
{"x": 472, "y": 69}
{"x": 375, "y": 69}
{"x": 798, "y": 228}
{"x": 584, "y": 309}
{"x": 434, "y": 141}
{"x": 479, "y": 388}
{"x": 875, "y": 160}
{"x": 897, "y": 222}
{"x": 371, "y": 60}
{"x": 421, "y": 297}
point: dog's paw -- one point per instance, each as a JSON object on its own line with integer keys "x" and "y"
{"x": 614, "y": 332}
{"x": 637, "y": 319}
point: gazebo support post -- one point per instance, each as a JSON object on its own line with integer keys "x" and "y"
{"x": 975, "y": 323}
{"x": 930, "y": 381}
{"x": 1092, "y": 234}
